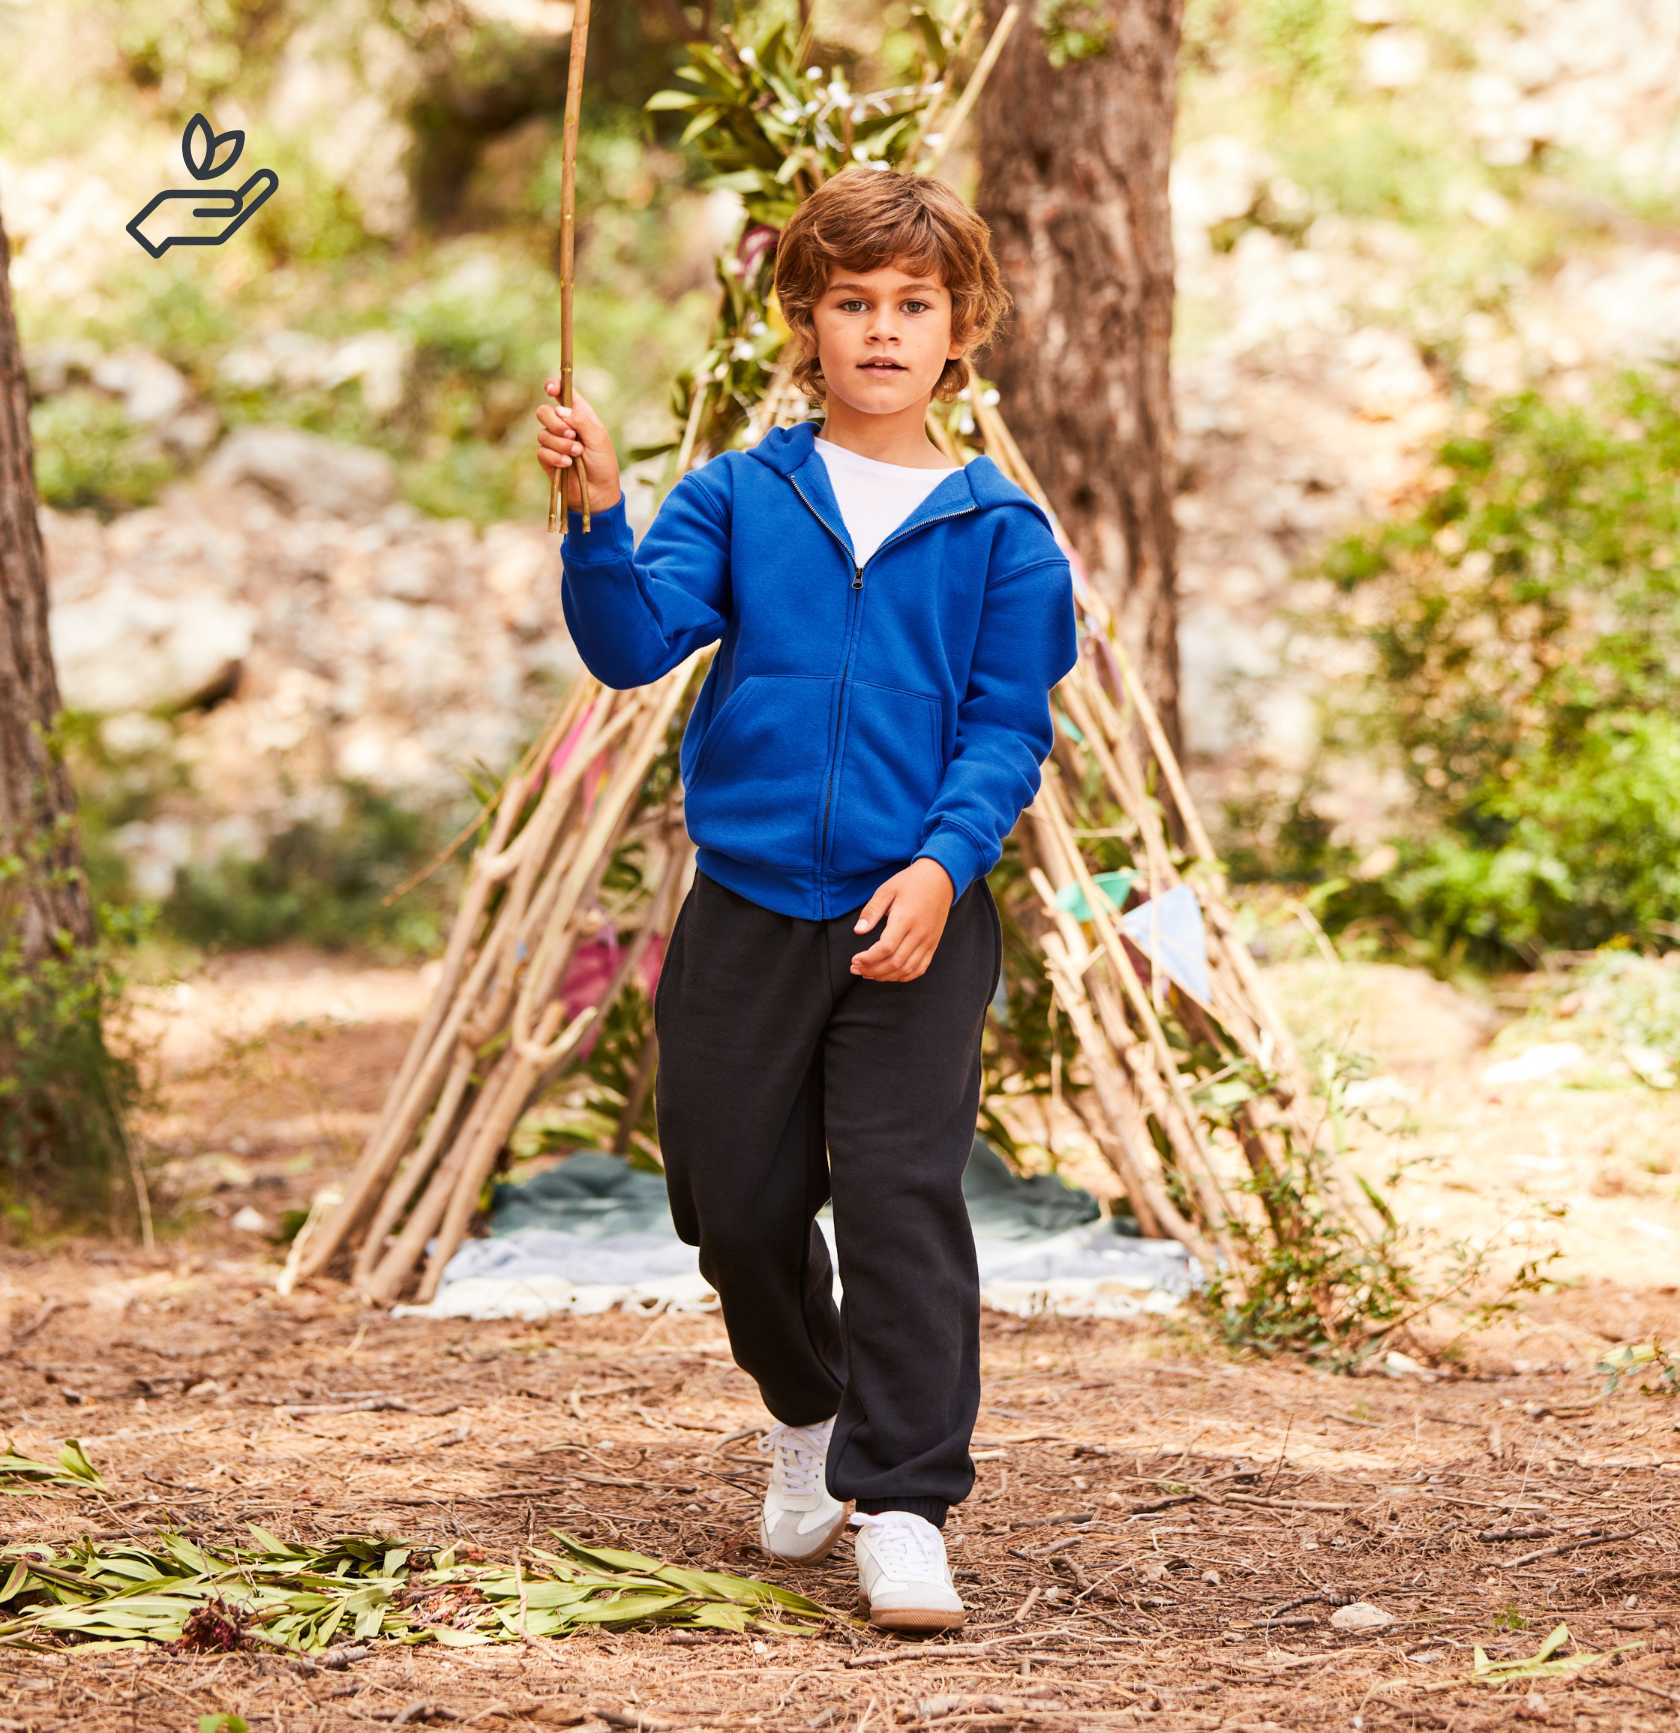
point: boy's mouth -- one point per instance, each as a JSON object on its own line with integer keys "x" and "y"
{"x": 881, "y": 366}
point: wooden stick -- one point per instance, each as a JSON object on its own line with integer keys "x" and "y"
{"x": 971, "y": 90}
{"x": 575, "y": 50}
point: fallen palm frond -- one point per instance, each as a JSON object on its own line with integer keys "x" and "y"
{"x": 1545, "y": 1663}
{"x": 73, "y": 1471}
{"x": 362, "y": 1587}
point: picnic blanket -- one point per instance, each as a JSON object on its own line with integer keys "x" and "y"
{"x": 592, "y": 1232}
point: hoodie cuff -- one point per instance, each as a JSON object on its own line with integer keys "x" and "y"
{"x": 608, "y": 540}
{"x": 959, "y": 854}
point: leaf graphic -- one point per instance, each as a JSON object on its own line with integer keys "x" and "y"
{"x": 206, "y": 152}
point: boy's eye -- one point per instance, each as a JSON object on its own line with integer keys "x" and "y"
{"x": 853, "y": 301}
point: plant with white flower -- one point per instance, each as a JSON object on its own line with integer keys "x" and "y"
{"x": 758, "y": 327}
{"x": 967, "y": 422}
{"x": 813, "y": 72}
{"x": 962, "y": 396}
{"x": 836, "y": 91}
{"x": 934, "y": 139}
{"x": 749, "y": 54}
{"x": 989, "y": 395}
{"x": 743, "y": 349}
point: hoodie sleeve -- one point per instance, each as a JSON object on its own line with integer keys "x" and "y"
{"x": 1028, "y": 642}
{"x": 636, "y": 611}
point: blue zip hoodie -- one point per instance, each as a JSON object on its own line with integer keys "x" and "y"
{"x": 855, "y": 717}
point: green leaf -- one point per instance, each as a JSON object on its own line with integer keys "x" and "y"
{"x": 452, "y": 1637}
{"x": 73, "y": 1471}
{"x": 1540, "y": 1665}
{"x": 702, "y": 122}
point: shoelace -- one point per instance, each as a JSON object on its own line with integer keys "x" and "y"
{"x": 906, "y": 1546}
{"x": 801, "y": 1453}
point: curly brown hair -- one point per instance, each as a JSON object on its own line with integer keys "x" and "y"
{"x": 864, "y": 219}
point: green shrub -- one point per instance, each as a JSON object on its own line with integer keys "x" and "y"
{"x": 65, "y": 1093}
{"x": 323, "y": 884}
{"x": 1524, "y": 624}
{"x": 89, "y": 456}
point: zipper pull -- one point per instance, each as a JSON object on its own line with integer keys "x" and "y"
{"x": 857, "y": 577}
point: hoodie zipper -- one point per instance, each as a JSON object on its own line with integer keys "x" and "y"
{"x": 851, "y": 622}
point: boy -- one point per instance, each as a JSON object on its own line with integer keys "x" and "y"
{"x": 875, "y": 719}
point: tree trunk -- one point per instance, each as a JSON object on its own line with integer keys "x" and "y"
{"x": 62, "y": 1133}
{"x": 1074, "y": 160}
{"x": 37, "y": 805}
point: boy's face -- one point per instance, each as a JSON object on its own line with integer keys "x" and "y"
{"x": 886, "y": 315}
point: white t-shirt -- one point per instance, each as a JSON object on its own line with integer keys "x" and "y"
{"x": 875, "y": 497}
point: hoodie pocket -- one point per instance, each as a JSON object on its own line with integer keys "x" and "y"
{"x": 756, "y": 785}
{"x": 889, "y": 772}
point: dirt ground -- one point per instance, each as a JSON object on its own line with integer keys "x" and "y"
{"x": 1159, "y": 1535}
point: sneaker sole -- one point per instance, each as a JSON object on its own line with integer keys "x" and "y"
{"x": 822, "y": 1549}
{"x": 910, "y": 1618}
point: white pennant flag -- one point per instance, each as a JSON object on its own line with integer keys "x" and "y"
{"x": 1168, "y": 930}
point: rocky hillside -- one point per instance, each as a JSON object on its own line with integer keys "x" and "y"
{"x": 1385, "y": 211}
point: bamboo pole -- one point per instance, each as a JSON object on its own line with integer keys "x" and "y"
{"x": 575, "y": 51}
{"x": 971, "y": 90}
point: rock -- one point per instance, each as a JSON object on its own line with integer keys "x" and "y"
{"x": 132, "y": 733}
{"x": 192, "y": 433}
{"x": 1395, "y": 59}
{"x": 379, "y": 361}
{"x": 299, "y": 471}
{"x": 66, "y": 228}
{"x": 1215, "y": 180}
{"x": 1650, "y": 1065}
{"x": 135, "y": 647}
{"x": 1367, "y": 1091}
{"x": 54, "y": 367}
{"x": 1360, "y": 1616}
{"x": 150, "y": 388}
{"x": 343, "y": 90}
{"x": 1535, "y": 1064}
{"x": 154, "y": 850}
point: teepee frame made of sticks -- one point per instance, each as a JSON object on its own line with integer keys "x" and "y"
{"x": 494, "y": 1037}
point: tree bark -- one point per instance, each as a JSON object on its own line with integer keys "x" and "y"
{"x": 37, "y": 804}
{"x": 1074, "y": 161}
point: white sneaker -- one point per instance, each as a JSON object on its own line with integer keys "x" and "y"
{"x": 800, "y": 1521}
{"x": 903, "y": 1574}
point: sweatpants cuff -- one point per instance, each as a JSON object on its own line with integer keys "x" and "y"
{"x": 933, "y": 1509}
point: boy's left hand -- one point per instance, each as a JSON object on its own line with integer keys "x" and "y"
{"x": 916, "y": 902}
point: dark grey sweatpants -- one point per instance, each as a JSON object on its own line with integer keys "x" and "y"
{"x": 784, "y": 1079}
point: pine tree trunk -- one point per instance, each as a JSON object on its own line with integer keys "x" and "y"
{"x": 1074, "y": 161}
{"x": 48, "y": 898}
{"x": 63, "y": 1135}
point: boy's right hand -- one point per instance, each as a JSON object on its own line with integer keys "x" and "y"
{"x": 563, "y": 433}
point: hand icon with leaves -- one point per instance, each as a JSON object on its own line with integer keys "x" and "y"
{"x": 202, "y": 216}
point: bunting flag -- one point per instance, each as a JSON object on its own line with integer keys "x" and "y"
{"x": 1115, "y": 886}
{"x": 1167, "y": 929}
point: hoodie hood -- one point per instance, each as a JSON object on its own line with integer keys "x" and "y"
{"x": 786, "y": 449}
